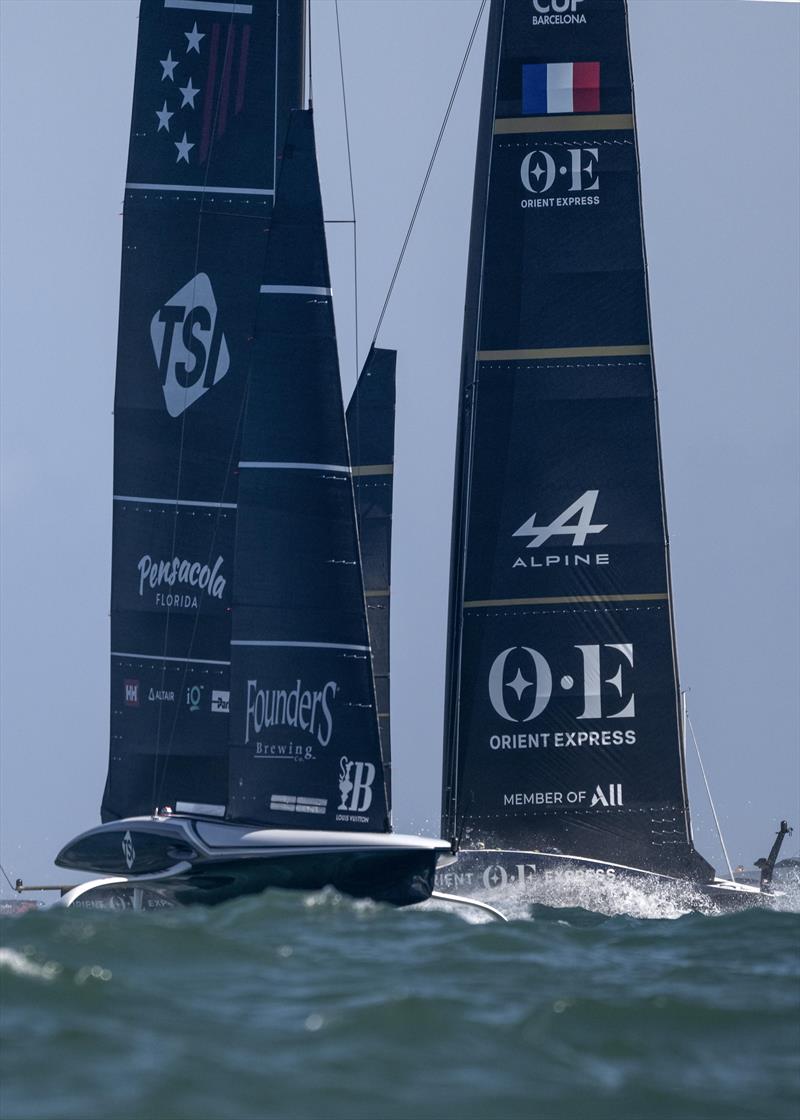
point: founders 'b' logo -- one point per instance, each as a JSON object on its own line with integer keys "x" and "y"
{"x": 355, "y": 785}
{"x": 189, "y": 345}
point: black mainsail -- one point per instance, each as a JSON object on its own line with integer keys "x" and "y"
{"x": 370, "y": 434}
{"x": 213, "y": 86}
{"x": 305, "y": 742}
{"x": 562, "y": 717}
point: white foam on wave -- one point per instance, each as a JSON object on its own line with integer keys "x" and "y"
{"x": 19, "y": 964}
{"x": 610, "y": 897}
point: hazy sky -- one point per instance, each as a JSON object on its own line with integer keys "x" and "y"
{"x": 717, "y": 102}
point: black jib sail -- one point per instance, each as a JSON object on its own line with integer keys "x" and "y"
{"x": 370, "y": 433}
{"x": 214, "y": 83}
{"x": 562, "y": 725}
{"x": 305, "y": 745}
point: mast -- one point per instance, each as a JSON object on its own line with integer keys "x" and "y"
{"x": 213, "y": 87}
{"x": 562, "y": 717}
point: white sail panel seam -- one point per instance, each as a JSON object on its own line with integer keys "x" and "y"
{"x": 198, "y": 187}
{"x": 174, "y": 502}
{"x": 161, "y": 657}
{"x": 231, "y": 6}
{"x": 254, "y": 465}
{"x": 293, "y": 290}
{"x": 302, "y": 645}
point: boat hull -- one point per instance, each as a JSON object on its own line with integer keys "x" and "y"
{"x": 493, "y": 874}
{"x": 178, "y": 860}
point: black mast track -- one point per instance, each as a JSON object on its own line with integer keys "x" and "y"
{"x": 483, "y": 160}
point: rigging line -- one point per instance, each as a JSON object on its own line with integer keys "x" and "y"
{"x": 352, "y": 191}
{"x": 710, "y": 799}
{"x": 5, "y": 876}
{"x": 430, "y": 169}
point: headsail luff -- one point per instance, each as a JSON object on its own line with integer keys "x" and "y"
{"x": 305, "y": 744}
{"x": 370, "y": 434}
{"x": 213, "y": 84}
{"x": 562, "y": 728}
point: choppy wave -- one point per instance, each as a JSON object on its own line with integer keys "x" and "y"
{"x": 317, "y": 1007}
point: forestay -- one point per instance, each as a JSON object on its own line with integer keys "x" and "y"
{"x": 562, "y": 727}
{"x": 305, "y": 747}
{"x": 213, "y": 85}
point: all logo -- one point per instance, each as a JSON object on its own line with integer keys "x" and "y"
{"x": 355, "y": 785}
{"x": 189, "y": 346}
{"x": 128, "y": 850}
{"x": 611, "y": 797}
{"x": 131, "y": 692}
{"x": 521, "y": 682}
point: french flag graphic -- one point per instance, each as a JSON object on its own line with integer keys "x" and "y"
{"x": 561, "y": 87}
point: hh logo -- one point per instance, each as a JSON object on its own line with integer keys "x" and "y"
{"x": 131, "y": 693}
{"x": 355, "y": 785}
{"x": 189, "y": 345}
{"x": 582, "y": 508}
{"x": 128, "y": 850}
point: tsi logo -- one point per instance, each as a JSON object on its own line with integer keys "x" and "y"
{"x": 355, "y": 788}
{"x": 128, "y": 850}
{"x": 189, "y": 345}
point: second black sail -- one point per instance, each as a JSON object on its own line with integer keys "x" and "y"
{"x": 305, "y": 745}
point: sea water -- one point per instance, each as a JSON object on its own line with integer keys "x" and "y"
{"x": 309, "y": 1007}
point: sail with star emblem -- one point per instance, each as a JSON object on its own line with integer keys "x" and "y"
{"x": 213, "y": 87}
{"x": 370, "y": 434}
{"x": 305, "y": 743}
{"x": 562, "y": 720}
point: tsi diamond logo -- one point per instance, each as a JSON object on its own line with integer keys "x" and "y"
{"x": 189, "y": 345}
{"x": 128, "y": 850}
{"x": 355, "y": 785}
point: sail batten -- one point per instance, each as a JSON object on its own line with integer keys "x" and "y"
{"x": 562, "y": 728}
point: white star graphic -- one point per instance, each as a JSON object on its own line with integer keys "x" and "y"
{"x": 163, "y": 117}
{"x": 538, "y": 171}
{"x": 168, "y": 65}
{"x": 194, "y": 36}
{"x": 183, "y": 147}
{"x": 519, "y": 684}
{"x": 189, "y": 94}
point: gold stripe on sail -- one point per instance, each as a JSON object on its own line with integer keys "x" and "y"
{"x": 603, "y": 122}
{"x": 549, "y": 600}
{"x": 379, "y": 593}
{"x": 563, "y": 352}
{"x": 374, "y": 468}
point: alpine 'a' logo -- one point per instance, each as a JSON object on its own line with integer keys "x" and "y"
{"x": 189, "y": 345}
{"x": 583, "y": 509}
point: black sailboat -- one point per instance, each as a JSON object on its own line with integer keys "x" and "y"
{"x": 563, "y": 737}
{"x": 245, "y": 740}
